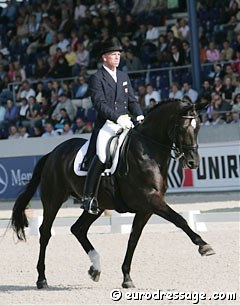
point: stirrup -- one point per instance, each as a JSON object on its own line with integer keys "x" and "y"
{"x": 90, "y": 205}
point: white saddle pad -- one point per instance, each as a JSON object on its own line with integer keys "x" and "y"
{"x": 82, "y": 151}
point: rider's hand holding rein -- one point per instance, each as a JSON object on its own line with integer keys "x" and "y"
{"x": 140, "y": 119}
{"x": 125, "y": 122}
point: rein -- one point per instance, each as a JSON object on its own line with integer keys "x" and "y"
{"x": 166, "y": 148}
{"x": 176, "y": 147}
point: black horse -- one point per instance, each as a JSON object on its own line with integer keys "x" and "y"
{"x": 171, "y": 126}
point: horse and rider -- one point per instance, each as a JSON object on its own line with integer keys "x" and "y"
{"x": 170, "y": 129}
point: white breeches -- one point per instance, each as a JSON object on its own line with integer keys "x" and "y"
{"x": 108, "y": 130}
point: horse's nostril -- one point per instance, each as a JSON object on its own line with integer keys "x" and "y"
{"x": 191, "y": 164}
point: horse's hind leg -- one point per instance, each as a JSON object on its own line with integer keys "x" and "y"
{"x": 139, "y": 222}
{"x": 49, "y": 215}
{"x": 79, "y": 230}
{"x": 169, "y": 214}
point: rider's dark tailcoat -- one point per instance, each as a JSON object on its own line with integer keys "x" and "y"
{"x": 110, "y": 99}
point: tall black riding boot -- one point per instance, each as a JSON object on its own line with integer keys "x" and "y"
{"x": 90, "y": 191}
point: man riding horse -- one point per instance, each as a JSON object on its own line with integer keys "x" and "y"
{"x": 113, "y": 98}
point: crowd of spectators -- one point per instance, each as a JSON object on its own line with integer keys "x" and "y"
{"x": 48, "y": 48}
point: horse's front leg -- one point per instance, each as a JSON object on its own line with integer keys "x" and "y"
{"x": 139, "y": 222}
{"x": 169, "y": 214}
{"x": 79, "y": 230}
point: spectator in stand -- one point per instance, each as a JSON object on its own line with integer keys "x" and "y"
{"x": 3, "y": 61}
{"x": 33, "y": 27}
{"x": 212, "y": 52}
{"x": 206, "y": 89}
{"x": 53, "y": 48}
{"x": 49, "y": 130}
{"x": 175, "y": 93}
{"x": 41, "y": 68}
{"x": 219, "y": 104}
{"x": 82, "y": 59}
{"x": 18, "y": 71}
{"x": 151, "y": 94}
{"x": 22, "y": 131}
{"x": 11, "y": 114}
{"x": 186, "y": 51}
{"x": 190, "y": 92}
{"x": 67, "y": 130}
{"x": 60, "y": 68}
{"x": 162, "y": 49}
{"x": 53, "y": 103}
{"x": 66, "y": 23}
{"x": 228, "y": 72}
{"x": 74, "y": 40}
{"x": 129, "y": 26}
{"x": 71, "y": 57}
{"x": 202, "y": 53}
{"x": 66, "y": 103}
{"x": 236, "y": 103}
{"x": 141, "y": 95}
{"x": 216, "y": 119}
{"x": 175, "y": 29}
{"x": 32, "y": 114}
{"x": 217, "y": 72}
{"x": 40, "y": 92}
{"x": 227, "y": 51}
{"x": 177, "y": 57}
{"x": 44, "y": 109}
{"x": 172, "y": 40}
{"x": 235, "y": 118}
{"x": 152, "y": 104}
{"x": 140, "y": 35}
{"x": 79, "y": 12}
{"x": 23, "y": 120}
{"x": 13, "y": 132}
{"x": 227, "y": 89}
{"x": 183, "y": 29}
{"x": 218, "y": 85}
{"x": 78, "y": 126}
{"x": 37, "y": 130}
{"x": 236, "y": 63}
{"x": 64, "y": 118}
{"x": 81, "y": 94}
{"x": 25, "y": 91}
{"x": 152, "y": 33}
{"x": 56, "y": 87}
{"x": 62, "y": 42}
{"x": 133, "y": 62}
{"x": 2, "y": 114}
{"x": 228, "y": 117}
{"x": 88, "y": 128}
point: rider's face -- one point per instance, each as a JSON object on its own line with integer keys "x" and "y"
{"x": 112, "y": 59}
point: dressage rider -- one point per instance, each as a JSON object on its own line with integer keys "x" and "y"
{"x": 113, "y": 98}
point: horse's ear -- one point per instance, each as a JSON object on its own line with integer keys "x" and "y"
{"x": 204, "y": 102}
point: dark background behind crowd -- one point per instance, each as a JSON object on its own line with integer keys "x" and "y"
{"x": 49, "y": 48}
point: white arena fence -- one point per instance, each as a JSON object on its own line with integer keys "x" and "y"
{"x": 121, "y": 223}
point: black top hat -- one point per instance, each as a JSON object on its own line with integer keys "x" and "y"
{"x": 110, "y": 46}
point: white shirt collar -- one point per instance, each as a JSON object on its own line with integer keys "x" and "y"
{"x": 111, "y": 72}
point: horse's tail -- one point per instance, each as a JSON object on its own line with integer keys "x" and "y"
{"x": 19, "y": 220}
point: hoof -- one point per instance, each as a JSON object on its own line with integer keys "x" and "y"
{"x": 128, "y": 284}
{"x": 206, "y": 250}
{"x": 42, "y": 284}
{"x": 94, "y": 274}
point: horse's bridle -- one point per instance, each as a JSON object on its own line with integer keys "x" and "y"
{"x": 177, "y": 147}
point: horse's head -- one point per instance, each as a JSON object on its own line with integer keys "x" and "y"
{"x": 185, "y": 132}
